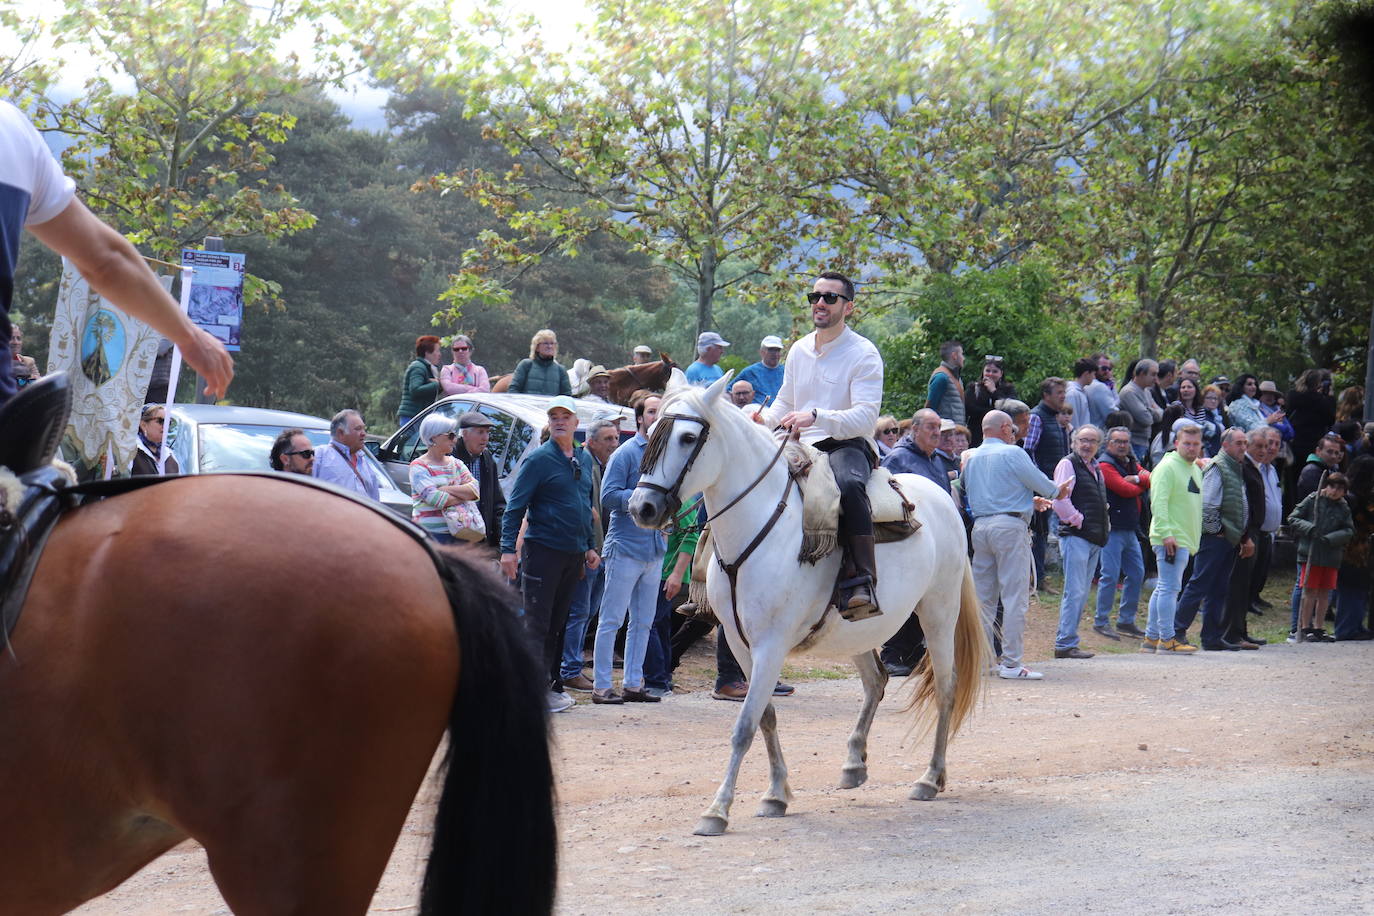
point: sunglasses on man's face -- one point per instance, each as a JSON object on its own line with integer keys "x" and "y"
{"x": 304, "y": 453}
{"x": 830, "y": 298}
{"x": 457, "y": 349}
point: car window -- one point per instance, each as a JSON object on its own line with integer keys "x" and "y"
{"x": 243, "y": 447}
{"x": 408, "y": 446}
{"x": 500, "y": 433}
{"x": 520, "y": 436}
{"x": 179, "y": 441}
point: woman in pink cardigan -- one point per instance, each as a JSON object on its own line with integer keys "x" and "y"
{"x": 463, "y": 375}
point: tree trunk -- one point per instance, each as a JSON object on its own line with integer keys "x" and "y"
{"x": 706, "y": 287}
{"x": 1152, "y": 308}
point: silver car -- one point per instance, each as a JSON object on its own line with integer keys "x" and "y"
{"x": 208, "y": 437}
{"x": 519, "y": 418}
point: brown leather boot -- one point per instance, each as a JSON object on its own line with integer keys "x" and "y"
{"x": 860, "y": 599}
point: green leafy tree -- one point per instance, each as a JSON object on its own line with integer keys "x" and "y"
{"x": 698, "y": 133}
{"x": 1010, "y": 312}
{"x": 184, "y": 154}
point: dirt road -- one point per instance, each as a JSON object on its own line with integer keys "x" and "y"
{"x": 1220, "y": 782}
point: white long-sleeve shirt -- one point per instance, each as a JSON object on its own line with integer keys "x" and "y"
{"x": 842, "y": 382}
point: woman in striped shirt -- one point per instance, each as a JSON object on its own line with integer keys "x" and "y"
{"x": 437, "y": 479}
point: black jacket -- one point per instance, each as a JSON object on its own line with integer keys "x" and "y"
{"x": 491, "y": 500}
{"x": 1089, "y": 496}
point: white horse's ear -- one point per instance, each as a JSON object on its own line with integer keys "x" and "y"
{"x": 676, "y": 379}
{"x": 718, "y": 388}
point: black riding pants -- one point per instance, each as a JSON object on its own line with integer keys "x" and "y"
{"x": 851, "y": 460}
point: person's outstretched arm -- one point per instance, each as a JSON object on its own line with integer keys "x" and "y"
{"x": 115, "y": 270}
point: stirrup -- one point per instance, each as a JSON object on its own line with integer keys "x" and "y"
{"x": 861, "y": 611}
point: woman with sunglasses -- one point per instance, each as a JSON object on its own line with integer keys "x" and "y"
{"x": 437, "y": 479}
{"x": 980, "y": 396}
{"x": 886, "y": 433}
{"x": 463, "y": 375}
{"x": 151, "y": 460}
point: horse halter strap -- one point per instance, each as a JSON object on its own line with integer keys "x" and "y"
{"x": 671, "y": 491}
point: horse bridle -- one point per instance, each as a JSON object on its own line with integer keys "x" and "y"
{"x": 731, "y": 570}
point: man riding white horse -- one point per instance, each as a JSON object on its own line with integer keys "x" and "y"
{"x": 831, "y": 388}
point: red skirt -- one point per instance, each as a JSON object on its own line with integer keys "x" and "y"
{"x": 1319, "y": 577}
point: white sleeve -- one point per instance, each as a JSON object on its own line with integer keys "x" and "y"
{"x": 27, "y": 163}
{"x": 865, "y": 394}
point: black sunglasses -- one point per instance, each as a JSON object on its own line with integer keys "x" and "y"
{"x": 577, "y": 468}
{"x": 307, "y": 452}
{"x": 457, "y": 349}
{"x": 891, "y": 430}
{"x": 830, "y": 298}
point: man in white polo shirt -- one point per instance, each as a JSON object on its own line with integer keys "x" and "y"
{"x": 35, "y": 195}
{"x": 831, "y": 388}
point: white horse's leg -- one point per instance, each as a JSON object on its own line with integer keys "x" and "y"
{"x": 779, "y": 796}
{"x": 874, "y": 678}
{"x": 940, "y": 657}
{"x": 763, "y": 674}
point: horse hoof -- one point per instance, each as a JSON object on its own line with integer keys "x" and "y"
{"x": 853, "y": 778}
{"x": 710, "y": 825}
{"x": 924, "y": 791}
{"x": 771, "y": 807}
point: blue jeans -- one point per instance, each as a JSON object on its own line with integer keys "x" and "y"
{"x": 1207, "y": 590}
{"x": 1159, "y": 624}
{"x": 658, "y": 658}
{"x": 631, "y": 586}
{"x": 1080, "y": 559}
{"x": 1121, "y": 555}
{"x": 587, "y": 596}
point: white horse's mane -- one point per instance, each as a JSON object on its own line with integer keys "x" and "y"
{"x": 696, "y": 397}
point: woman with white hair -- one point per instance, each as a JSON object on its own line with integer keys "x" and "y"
{"x": 541, "y": 373}
{"x": 438, "y": 480}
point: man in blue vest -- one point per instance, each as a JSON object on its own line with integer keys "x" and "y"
{"x": 1047, "y": 442}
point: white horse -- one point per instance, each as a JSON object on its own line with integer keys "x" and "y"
{"x": 704, "y": 444}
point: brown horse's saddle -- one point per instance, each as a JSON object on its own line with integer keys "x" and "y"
{"x": 893, "y": 514}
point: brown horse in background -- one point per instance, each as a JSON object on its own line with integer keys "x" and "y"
{"x": 625, "y": 381}
{"x": 267, "y": 668}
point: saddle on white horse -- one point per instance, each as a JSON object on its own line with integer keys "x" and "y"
{"x": 894, "y": 517}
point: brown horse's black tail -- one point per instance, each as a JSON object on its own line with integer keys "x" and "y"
{"x": 495, "y": 843}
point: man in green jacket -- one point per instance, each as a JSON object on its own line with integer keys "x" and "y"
{"x": 1175, "y": 529}
{"x": 1224, "y": 539}
{"x": 420, "y": 385}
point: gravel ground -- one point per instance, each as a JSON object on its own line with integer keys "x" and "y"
{"x": 1220, "y": 782}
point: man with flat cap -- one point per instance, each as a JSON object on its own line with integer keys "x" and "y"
{"x": 598, "y": 385}
{"x": 642, "y": 354}
{"x": 474, "y": 434}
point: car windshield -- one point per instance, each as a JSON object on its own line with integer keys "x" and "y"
{"x": 246, "y": 447}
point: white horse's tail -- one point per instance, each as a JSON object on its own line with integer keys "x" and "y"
{"x": 972, "y": 655}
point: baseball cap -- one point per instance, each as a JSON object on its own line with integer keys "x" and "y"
{"x": 1269, "y": 386}
{"x": 946, "y": 424}
{"x": 473, "y": 419}
{"x": 644, "y": 348}
{"x": 563, "y": 401}
{"x": 1221, "y": 380}
{"x": 771, "y": 342}
{"x": 597, "y": 372}
{"x": 711, "y": 339}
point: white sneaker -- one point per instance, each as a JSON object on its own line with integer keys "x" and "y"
{"x": 560, "y": 702}
{"x": 1292, "y": 637}
{"x": 1022, "y": 673}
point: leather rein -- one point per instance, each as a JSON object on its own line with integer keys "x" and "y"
{"x": 731, "y": 570}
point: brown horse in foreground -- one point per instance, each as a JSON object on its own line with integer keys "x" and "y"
{"x": 625, "y": 381}
{"x": 267, "y": 668}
